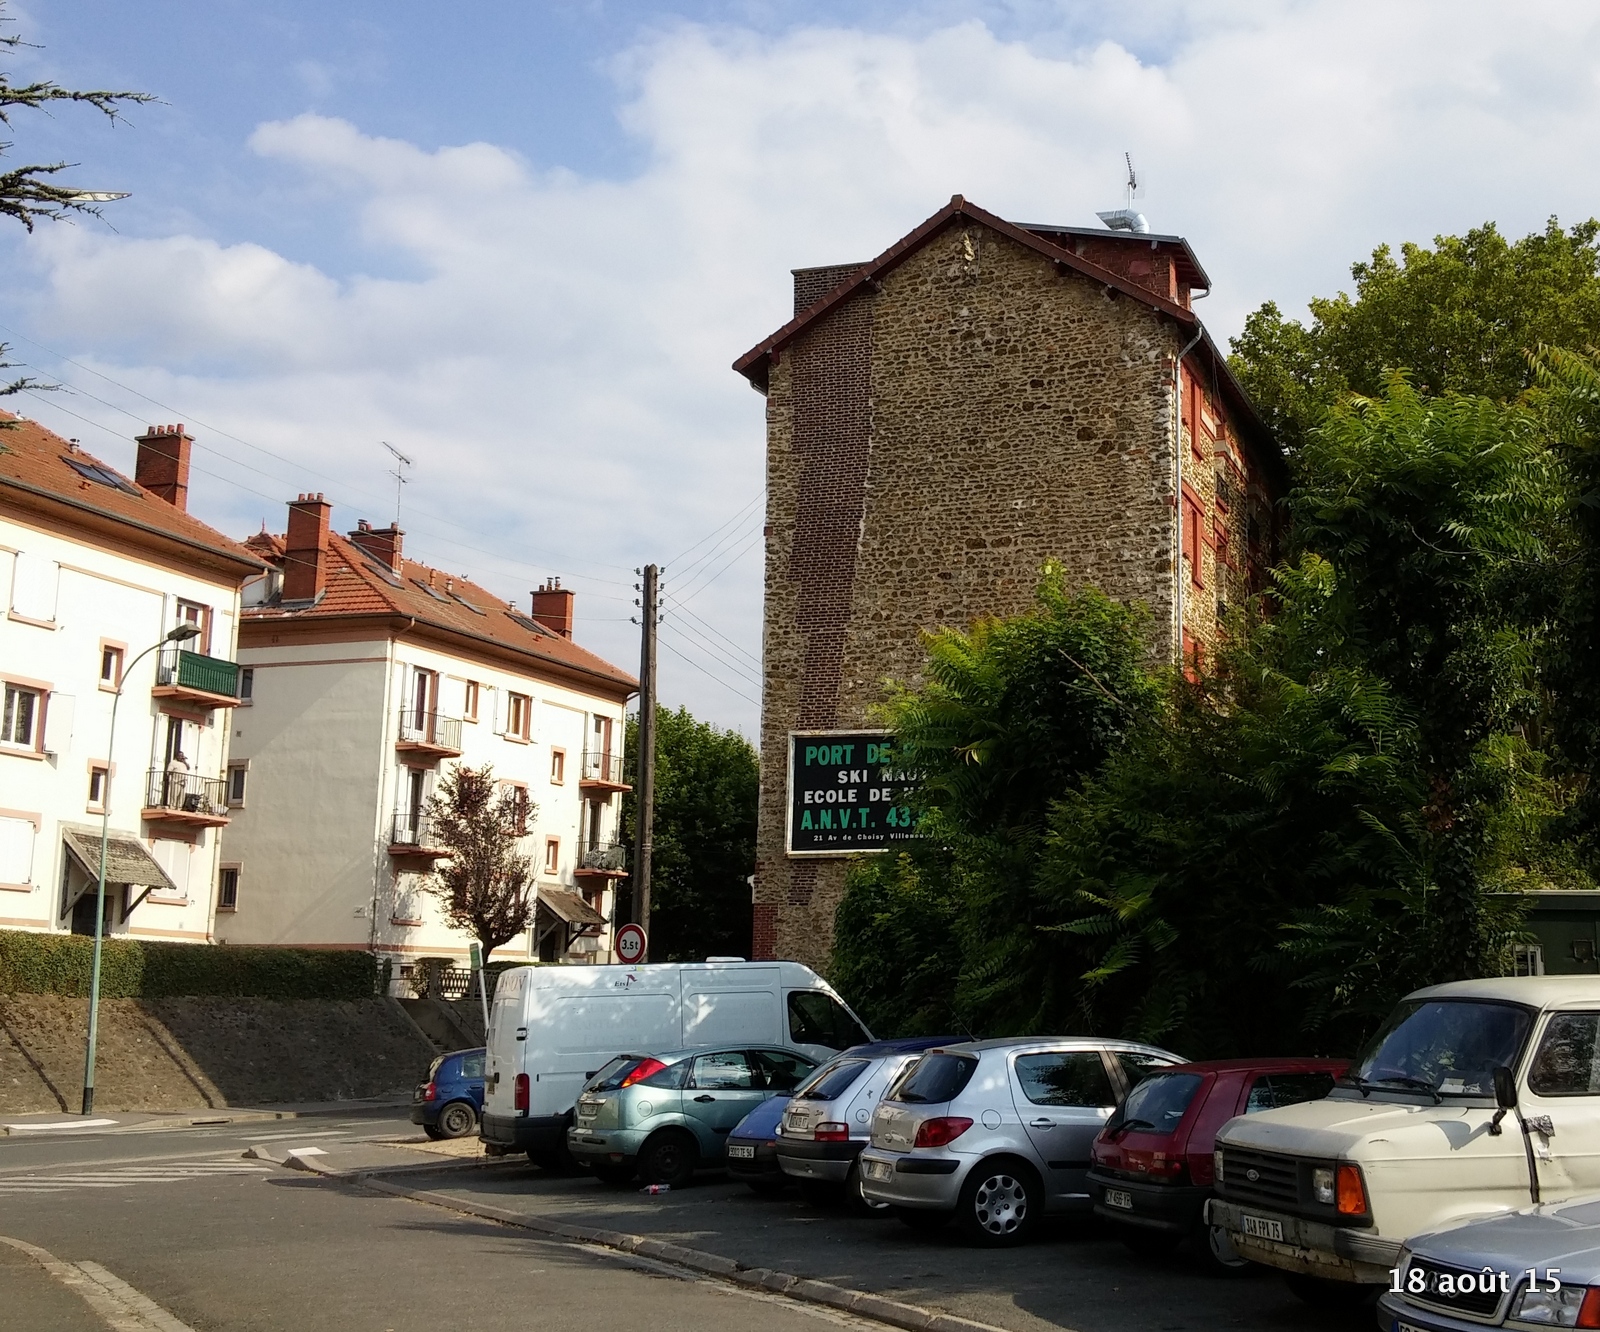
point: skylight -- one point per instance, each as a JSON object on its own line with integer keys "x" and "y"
{"x": 532, "y": 625}
{"x": 476, "y": 610}
{"x": 102, "y": 476}
{"x": 381, "y": 569}
{"x": 432, "y": 592}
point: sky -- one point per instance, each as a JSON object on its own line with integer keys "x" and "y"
{"x": 522, "y": 243}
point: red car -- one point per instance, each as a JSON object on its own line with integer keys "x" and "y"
{"x": 1151, "y": 1171}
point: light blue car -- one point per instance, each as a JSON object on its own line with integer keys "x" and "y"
{"x": 665, "y": 1116}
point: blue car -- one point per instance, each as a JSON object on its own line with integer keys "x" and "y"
{"x": 449, "y": 1103}
{"x": 753, "y": 1147}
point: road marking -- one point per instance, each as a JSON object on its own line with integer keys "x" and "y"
{"x": 126, "y": 1177}
{"x": 124, "y": 1308}
{"x": 58, "y": 1126}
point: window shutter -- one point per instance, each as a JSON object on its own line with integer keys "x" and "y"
{"x": 16, "y": 850}
{"x": 34, "y": 582}
{"x": 499, "y": 711}
{"x": 58, "y": 723}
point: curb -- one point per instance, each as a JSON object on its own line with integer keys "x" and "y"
{"x": 912, "y": 1317}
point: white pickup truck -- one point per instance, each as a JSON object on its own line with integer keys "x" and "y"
{"x": 1474, "y": 1098}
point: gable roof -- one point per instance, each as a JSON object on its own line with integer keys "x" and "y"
{"x": 754, "y": 364}
{"x": 360, "y": 585}
{"x": 43, "y": 472}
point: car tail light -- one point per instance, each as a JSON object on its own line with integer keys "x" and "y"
{"x": 430, "y": 1092}
{"x": 519, "y": 1092}
{"x": 938, "y": 1132}
{"x": 1351, "y": 1193}
{"x": 645, "y": 1068}
{"x": 1166, "y": 1167}
{"x": 1589, "y": 1310}
{"x": 831, "y": 1131}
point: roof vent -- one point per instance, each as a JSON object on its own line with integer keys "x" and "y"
{"x": 1128, "y": 218}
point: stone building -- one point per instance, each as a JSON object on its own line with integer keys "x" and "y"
{"x": 941, "y": 421}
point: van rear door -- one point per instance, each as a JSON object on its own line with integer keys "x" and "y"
{"x": 503, "y": 1061}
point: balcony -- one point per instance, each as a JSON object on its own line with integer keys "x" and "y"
{"x": 602, "y": 860}
{"x": 429, "y": 733}
{"x": 185, "y": 799}
{"x": 411, "y": 834}
{"x": 602, "y": 772}
{"x": 193, "y": 677}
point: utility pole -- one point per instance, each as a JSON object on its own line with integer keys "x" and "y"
{"x": 647, "y": 750}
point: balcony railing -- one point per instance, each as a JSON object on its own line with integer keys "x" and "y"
{"x": 180, "y": 671}
{"x": 185, "y": 797}
{"x": 429, "y": 730}
{"x": 602, "y": 858}
{"x": 413, "y": 831}
{"x": 603, "y": 769}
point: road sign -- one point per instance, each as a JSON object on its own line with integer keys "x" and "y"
{"x": 475, "y": 956}
{"x": 630, "y": 943}
{"x": 846, "y": 794}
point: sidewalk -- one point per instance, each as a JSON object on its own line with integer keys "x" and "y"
{"x": 204, "y": 1117}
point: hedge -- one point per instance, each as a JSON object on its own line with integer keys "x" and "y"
{"x": 136, "y": 969}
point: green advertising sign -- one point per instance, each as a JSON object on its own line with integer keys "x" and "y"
{"x": 845, "y": 793}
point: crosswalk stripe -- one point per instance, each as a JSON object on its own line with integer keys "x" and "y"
{"x": 121, "y": 1179}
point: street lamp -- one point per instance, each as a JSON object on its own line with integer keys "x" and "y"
{"x": 182, "y": 634}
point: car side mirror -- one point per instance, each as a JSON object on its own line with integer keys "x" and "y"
{"x": 1505, "y": 1088}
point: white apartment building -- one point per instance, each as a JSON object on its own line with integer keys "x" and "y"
{"x": 95, "y": 569}
{"x": 372, "y": 674}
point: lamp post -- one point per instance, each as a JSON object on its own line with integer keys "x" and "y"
{"x": 182, "y": 634}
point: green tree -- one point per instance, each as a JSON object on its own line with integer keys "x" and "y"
{"x": 484, "y": 884}
{"x": 703, "y": 849}
{"x": 1461, "y": 317}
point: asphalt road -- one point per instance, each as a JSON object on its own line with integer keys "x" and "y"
{"x": 225, "y": 1243}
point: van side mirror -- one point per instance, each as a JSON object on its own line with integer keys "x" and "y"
{"x": 1505, "y": 1088}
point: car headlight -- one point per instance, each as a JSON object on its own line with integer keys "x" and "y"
{"x": 1322, "y": 1185}
{"x": 1216, "y": 1165}
{"x": 1551, "y": 1308}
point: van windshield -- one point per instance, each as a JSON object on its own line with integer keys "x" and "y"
{"x": 1442, "y": 1047}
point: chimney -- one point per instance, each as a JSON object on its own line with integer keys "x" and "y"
{"x": 382, "y": 543}
{"x": 162, "y": 466}
{"x": 305, "y": 562}
{"x": 552, "y": 607}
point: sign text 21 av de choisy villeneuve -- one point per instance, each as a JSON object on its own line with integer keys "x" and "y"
{"x": 845, "y": 790}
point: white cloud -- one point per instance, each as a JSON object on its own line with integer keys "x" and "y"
{"x": 554, "y": 349}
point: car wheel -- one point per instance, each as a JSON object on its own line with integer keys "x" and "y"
{"x": 457, "y": 1120}
{"x": 668, "y": 1158}
{"x": 614, "y": 1175}
{"x": 433, "y": 1131}
{"x": 921, "y": 1218}
{"x": 858, "y": 1200}
{"x": 1320, "y": 1292}
{"x": 1218, "y": 1255}
{"x": 1000, "y": 1203}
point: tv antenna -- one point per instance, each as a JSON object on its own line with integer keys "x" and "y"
{"x": 1133, "y": 180}
{"x": 401, "y": 462}
{"x": 1127, "y": 218}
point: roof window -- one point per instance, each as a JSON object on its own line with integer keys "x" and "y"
{"x": 102, "y": 476}
{"x": 431, "y": 591}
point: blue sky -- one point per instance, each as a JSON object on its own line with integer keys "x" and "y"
{"x": 523, "y": 242}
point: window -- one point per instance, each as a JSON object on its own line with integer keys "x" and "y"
{"x": 469, "y": 705}
{"x": 781, "y": 1071}
{"x": 1191, "y": 540}
{"x": 552, "y": 855}
{"x": 100, "y": 475}
{"x": 1527, "y": 960}
{"x": 819, "y": 1019}
{"x": 726, "y": 1070}
{"x": 1069, "y": 1078}
{"x": 228, "y": 888}
{"x": 16, "y": 850}
{"x": 97, "y": 787}
{"x": 1565, "y": 1064}
{"x": 190, "y": 612}
{"x": 517, "y": 794}
{"x": 247, "y": 685}
{"x": 1158, "y": 1104}
{"x": 110, "y": 666}
{"x": 933, "y": 1079}
{"x": 832, "y": 1080}
{"x": 471, "y": 1066}
{"x": 1281, "y": 1089}
{"x": 236, "y": 781}
{"x": 1136, "y": 1066}
{"x": 519, "y": 716}
{"x": 19, "y": 722}
{"x": 558, "y": 766}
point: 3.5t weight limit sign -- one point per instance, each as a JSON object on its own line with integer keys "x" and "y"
{"x": 845, "y": 793}
{"x": 630, "y": 943}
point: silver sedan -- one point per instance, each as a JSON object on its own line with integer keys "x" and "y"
{"x": 996, "y": 1133}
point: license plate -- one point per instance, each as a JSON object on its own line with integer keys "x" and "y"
{"x": 1262, "y": 1228}
{"x": 1401, "y": 1326}
{"x": 1117, "y": 1198}
{"x": 879, "y": 1170}
{"x": 740, "y": 1152}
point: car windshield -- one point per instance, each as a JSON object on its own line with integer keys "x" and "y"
{"x": 933, "y": 1079}
{"x": 831, "y": 1080}
{"x": 1447, "y": 1047}
{"x": 1158, "y": 1103}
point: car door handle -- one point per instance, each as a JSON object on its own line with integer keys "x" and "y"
{"x": 703, "y": 1099}
{"x": 1041, "y": 1123}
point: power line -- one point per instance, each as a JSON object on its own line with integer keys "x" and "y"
{"x": 701, "y": 561}
{"x": 730, "y": 562}
{"x": 673, "y": 562}
{"x": 703, "y": 671}
{"x": 721, "y": 657}
{"x": 712, "y": 629}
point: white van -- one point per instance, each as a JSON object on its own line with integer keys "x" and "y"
{"x": 1474, "y": 1098}
{"x": 552, "y": 1028}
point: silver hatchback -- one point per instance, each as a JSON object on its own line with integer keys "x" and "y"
{"x": 996, "y": 1133}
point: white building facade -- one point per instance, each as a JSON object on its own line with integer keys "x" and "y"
{"x": 96, "y": 569}
{"x": 371, "y": 675}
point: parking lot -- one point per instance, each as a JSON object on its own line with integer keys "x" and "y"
{"x": 1071, "y": 1277}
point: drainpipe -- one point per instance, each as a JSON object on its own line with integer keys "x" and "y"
{"x": 1177, "y": 498}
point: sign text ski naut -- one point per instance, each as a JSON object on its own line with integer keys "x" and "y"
{"x": 845, "y": 793}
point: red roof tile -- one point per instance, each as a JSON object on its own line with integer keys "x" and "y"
{"x": 39, "y": 470}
